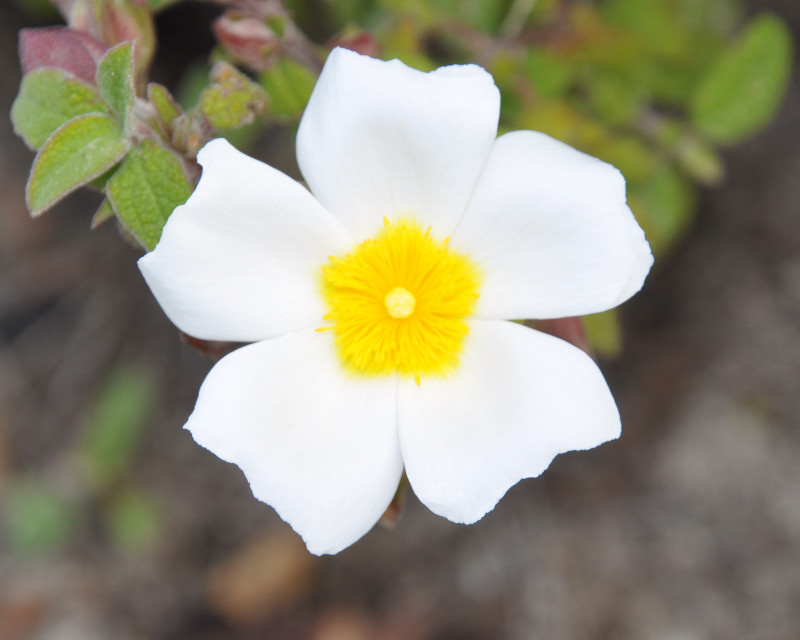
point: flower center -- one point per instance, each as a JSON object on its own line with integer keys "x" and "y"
{"x": 398, "y": 302}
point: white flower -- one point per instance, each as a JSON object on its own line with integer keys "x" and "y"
{"x": 378, "y": 303}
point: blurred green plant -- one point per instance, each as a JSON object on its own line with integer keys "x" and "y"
{"x": 37, "y": 518}
{"x": 44, "y": 513}
{"x": 655, "y": 88}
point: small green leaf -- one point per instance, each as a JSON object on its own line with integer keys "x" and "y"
{"x": 163, "y": 102}
{"x": 604, "y": 333}
{"x": 664, "y": 205}
{"x": 289, "y": 86}
{"x": 75, "y": 154}
{"x": 146, "y": 189}
{"x": 104, "y": 212}
{"x": 700, "y": 160}
{"x": 233, "y": 99}
{"x": 116, "y": 426}
{"x": 742, "y": 91}
{"x": 115, "y": 79}
{"x": 47, "y": 99}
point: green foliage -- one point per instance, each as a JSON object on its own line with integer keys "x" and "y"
{"x": 289, "y": 86}
{"x": 164, "y": 104}
{"x": 116, "y": 426}
{"x": 550, "y": 75}
{"x": 104, "y": 212}
{"x": 49, "y": 98}
{"x": 742, "y": 90}
{"x": 233, "y": 99}
{"x": 485, "y": 15}
{"x": 145, "y": 190}
{"x": 37, "y": 519}
{"x": 158, "y": 5}
{"x": 604, "y": 332}
{"x": 664, "y": 205}
{"x": 115, "y": 79}
{"x": 77, "y": 152}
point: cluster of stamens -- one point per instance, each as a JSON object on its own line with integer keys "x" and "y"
{"x": 398, "y": 302}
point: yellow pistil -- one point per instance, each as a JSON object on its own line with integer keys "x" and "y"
{"x": 398, "y": 302}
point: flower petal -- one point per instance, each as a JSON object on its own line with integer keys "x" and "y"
{"x": 550, "y": 228}
{"x": 319, "y": 446}
{"x": 518, "y": 398}
{"x": 240, "y": 260}
{"x": 379, "y": 139}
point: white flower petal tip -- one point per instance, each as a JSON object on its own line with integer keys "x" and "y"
{"x": 239, "y": 260}
{"x": 552, "y": 230}
{"x": 519, "y": 398}
{"x": 380, "y": 139}
{"x": 319, "y": 447}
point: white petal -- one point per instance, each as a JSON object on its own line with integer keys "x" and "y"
{"x": 518, "y": 398}
{"x": 551, "y": 231}
{"x": 319, "y": 446}
{"x": 379, "y": 139}
{"x": 240, "y": 260}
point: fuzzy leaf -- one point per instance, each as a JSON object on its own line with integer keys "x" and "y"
{"x": 48, "y": 98}
{"x": 145, "y": 190}
{"x": 233, "y": 99}
{"x": 76, "y": 153}
{"x": 115, "y": 79}
{"x": 742, "y": 91}
{"x": 63, "y": 48}
{"x": 163, "y": 102}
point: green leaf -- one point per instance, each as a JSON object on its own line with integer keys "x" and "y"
{"x": 604, "y": 332}
{"x": 163, "y": 102}
{"x": 104, "y": 212}
{"x": 36, "y": 518}
{"x": 146, "y": 189}
{"x": 289, "y": 86}
{"x": 742, "y": 91}
{"x": 115, "y": 79}
{"x": 116, "y": 425}
{"x": 233, "y": 99}
{"x": 75, "y": 154}
{"x": 47, "y": 99}
{"x": 664, "y": 205}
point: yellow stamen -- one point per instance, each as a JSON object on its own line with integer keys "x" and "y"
{"x": 398, "y": 302}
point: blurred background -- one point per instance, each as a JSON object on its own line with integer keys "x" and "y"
{"x": 114, "y": 524}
